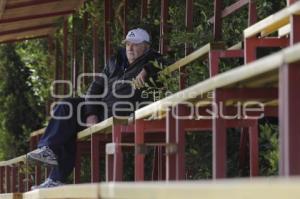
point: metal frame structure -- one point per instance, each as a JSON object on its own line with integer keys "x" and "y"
{"x": 169, "y": 137}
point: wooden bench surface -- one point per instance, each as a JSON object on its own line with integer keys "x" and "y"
{"x": 13, "y": 161}
{"x": 255, "y": 71}
{"x": 79, "y": 191}
{"x": 11, "y": 196}
{"x": 197, "y": 54}
{"x": 102, "y": 127}
{"x": 220, "y": 189}
{"x": 273, "y": 22}
{"x": 37, "y": 132}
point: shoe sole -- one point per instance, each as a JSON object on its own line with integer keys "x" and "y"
{"x": 33, "y": 159}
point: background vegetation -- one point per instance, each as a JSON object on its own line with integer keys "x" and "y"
{"x": 27, "y": 70}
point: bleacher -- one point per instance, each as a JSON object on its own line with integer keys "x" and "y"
{"x": 258, "y": 79}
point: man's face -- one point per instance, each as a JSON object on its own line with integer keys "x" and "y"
{"x": 134, "y": 51}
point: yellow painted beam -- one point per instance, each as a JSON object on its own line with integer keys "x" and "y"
{"x": 11, "y": 196}
{"x": 273, "y": 22}
{"x": 221, "y": 189}
{"x": 234, "y": 76}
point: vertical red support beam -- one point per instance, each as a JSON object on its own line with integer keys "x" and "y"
{"x": 254, "y": 149}
{"x": 219, "y": 138}
{"x": 171, "y": 165}
{"x": 84, "y": 53}
{"x": 65, "y": 59}
{"x": 164, "y": 15}
{"x": 38, "y": 172}
{"x": 289, "y": 108}
{"x": 252, "y": 13}
{"x": 107, "y": 29}
{"x": 125, "y": 13}
{"x": 217, "y": 32}
{"x": 13, "y": 179}
{"x": 95, "y": 158}
{"x": 139, "y": 155}
{"x": 290, "y": 2}
{"x": 20, "y": 179}
{"x": 144, "y": 9}
{"x": 96, "y": 67}
{"x": 74, "y": 58}
{"x": 182, "y": 111}
{"x": 1, "y": 179}
{"x": 77, "y": 167}
{"x": 7, "y": 179}
{"x": 57, "y": 65}
{"x": 118, "y": 156}
{"x": 188, "y": 48}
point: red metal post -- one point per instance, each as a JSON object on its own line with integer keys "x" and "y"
{"x": 144, "y": 9}
{"x": 217, "y": 32}
{"x": 96, "y": 67}
{"x": 75, "y": 58}
{"x": 289, "y": 107}
{"x": 171, "y": 164}
{"x": 107, "y": 29}
{"x": 95, "y": 158}
{"x": 20, "y": 178}
{"x": 139, "y": 155}
{"x": 125, "y": 13}
{"x": 13, "y": 179}
{"x": 188, "y": 47}
{"x": 1, "y": 179}
{"x": 7, "y": 179}
{"x": 57, "y": 66}
{"x": 254, "y": 149}
{"x": 77, "y": 167}
{"x": 252, "y": 13}
{"x": 182, "y": 111}
{"x": 84, "y": 53}
{"x": 38, "y": 174}
{"x": 65, "y": 54}
{"x": 219, "y": 138}
{"x": 118, "y": 156}
{"x": 164, "y": 15}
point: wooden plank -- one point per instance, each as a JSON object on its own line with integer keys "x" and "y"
{"x": 197, "y": 54}
{"x": 234, "y": 76}
{"x": 273, "y": 22}
{"x": 41, "y": 9}
{"x": 2, "y": 7}
{"x": 79, "y": 191}
{"x": 28, "y": 23}
{"x": 11, "y": 196}
{"x": 10, "y": 162}
{"x": 37, "y": 132}
{"x": 285, "y": 30}
{"x": 27, "y": 34}
{"x": 102, "y": 127}
{"x": 225, "y": 189}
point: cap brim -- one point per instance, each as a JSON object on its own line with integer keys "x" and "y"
{"x": 134, "y": 41}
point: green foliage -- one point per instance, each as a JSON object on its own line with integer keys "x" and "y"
{"x": 20, "y": 110}
{"x": 269, "y": 149}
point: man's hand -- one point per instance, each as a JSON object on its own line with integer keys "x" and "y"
{"x": 91, "y": 120}
{"x": 139, "y": 81}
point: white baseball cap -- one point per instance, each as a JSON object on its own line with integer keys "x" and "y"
{"x": 137, "y": 36}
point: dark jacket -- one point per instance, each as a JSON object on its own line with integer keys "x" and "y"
{"x": 119, "y": 74}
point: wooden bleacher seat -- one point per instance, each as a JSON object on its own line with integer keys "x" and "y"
{"x": 82, "y": 191}
{"x": 11, "y": 196}
{"x": 241, "y": 76}
{"x": 273, "y": 22}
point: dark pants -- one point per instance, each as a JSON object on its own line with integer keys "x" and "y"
{"x": 61, "y": 134}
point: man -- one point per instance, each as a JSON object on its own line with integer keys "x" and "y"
{"x": 111, "y": 94}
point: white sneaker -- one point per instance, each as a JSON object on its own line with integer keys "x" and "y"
{"x": 48, "y": 184}
{"x": 44, "y": 155}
